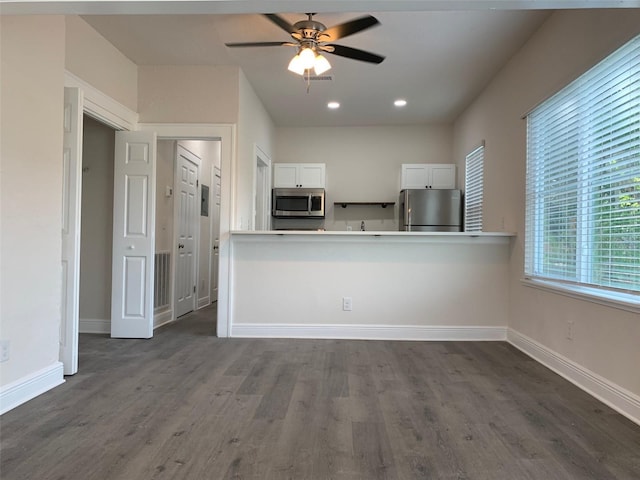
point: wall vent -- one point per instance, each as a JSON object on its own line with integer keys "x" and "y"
{"x": 162, "y": 280}
{"x": 319, "y": 78}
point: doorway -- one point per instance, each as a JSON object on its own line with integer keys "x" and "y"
{"x": 262, "y": 197}
{"x": 86, "y": 99}
{"x": 96, "y": 222}
{"x": 187, "y": 225}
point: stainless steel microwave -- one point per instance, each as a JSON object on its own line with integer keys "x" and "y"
{"x": 297, "y": 203}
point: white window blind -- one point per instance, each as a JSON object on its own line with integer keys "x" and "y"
{"x": 583, "y": 179}
{"x": 473, "y": 188}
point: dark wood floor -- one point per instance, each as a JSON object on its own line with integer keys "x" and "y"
{"x": 186, "y": 405}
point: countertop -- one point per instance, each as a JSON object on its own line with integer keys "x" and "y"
{"x": 357, "y": 235}
{"x": 371, "y": 233}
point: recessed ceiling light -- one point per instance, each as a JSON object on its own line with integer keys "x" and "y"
{"x": 333, "y": 105}
{"x": 400, "y": 103}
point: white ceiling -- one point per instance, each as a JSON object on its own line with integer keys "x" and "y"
{"x": 439, "y": 53}
{"x": 437, "y": 61}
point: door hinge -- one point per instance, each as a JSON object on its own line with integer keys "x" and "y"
{"x": 197, "y": 183}
{"x": 194, "y": 289}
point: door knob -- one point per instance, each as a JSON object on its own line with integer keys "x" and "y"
{"x": 181, "y": 245}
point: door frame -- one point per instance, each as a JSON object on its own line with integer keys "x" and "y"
{"x": 70, "y": 228}
{"x": 226, "y": 134}
{"x": 262, "y": 160}
{"x": 108, "y": 111}
{"x": 212, "y": 199}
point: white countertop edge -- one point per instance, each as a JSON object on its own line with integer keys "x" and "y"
{"x": 357, "y": 233}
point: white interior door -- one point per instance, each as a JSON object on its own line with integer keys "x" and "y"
{"x": 71, "y": 207}
{"x": 133, "y": 235}
{"x": 187, "y": 204}
{"x": 215, "y": 219}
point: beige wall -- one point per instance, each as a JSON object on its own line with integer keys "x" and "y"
{"x": 92, "y": 58}
{"x": 255, "y": 127}
{"x": 97, "y": 221}
{"x": 31, "y": 88}
{"x": 188, "y": 94}
{"x": 363, "y": 165}
{"x": 605, "y": 339}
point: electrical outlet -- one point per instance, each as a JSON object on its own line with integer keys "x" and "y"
{"x": 4, "y": 350}
{"x": 570, "y": 330}
{"x": 347, "y": 305}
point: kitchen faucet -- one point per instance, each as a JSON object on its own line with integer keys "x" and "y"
{"x": 362, "y": 226}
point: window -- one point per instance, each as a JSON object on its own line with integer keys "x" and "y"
{"x": 473, "y": 187}
{"x": 583, "y": 180}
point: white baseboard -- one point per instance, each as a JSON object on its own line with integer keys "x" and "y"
{"x": 618, "y": 398}
{"x": 203, "y": 302}
{"x": 162, "y": 318}
{"x": 95, "y": 325}
{"x": 368, "y": 332}
{"x": 24, "y": 389}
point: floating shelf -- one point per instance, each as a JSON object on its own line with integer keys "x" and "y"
{"x": 381, "y": 204}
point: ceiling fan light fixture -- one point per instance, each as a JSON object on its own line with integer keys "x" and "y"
{"x": 321, "y": 65}
{"x": 296, "y": 66}
{"x": 307, "y": 58}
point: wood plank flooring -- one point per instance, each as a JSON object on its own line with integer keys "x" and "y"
{"x": 187, "y": 405}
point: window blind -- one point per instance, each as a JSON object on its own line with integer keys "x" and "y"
{"x": 473, "y": 190}
{"x": 583, "y": 178}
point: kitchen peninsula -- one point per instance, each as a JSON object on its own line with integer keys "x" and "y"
{"x": 370, "y": 285}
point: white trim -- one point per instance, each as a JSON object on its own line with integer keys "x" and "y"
{"x": 95, "y": 325}
{"x": 227, "y": 134}
{"x": 370, "y": 332}
{"x": 621, "y": 400}
{"x": 24, "y": 389}
{"x": 162, "y": 318}
{"x": 622, "y": 301}
{"x": 101, "y": 106}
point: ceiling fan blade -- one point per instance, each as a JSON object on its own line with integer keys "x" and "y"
{"x": 258, "y": 44}
{"x": 355, "y": 54}
{"x": 281, "y": 22}
{"x": 349, "y": 28}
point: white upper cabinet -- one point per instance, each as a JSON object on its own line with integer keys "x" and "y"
{"x": 428, "y": 175}
{"x": 298, "y": 175}
{"x": 285, "y": 175}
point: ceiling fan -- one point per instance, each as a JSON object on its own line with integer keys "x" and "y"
{"x": 312, "y": 37}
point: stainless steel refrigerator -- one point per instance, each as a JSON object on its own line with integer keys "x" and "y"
{"x": 427, "y": 210}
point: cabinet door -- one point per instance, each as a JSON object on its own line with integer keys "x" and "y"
{"x": 443, "y": 175}
{"x": 414, "y": 175}
{"x": 285, "y": 175}
{"x": 311, "y": 175}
